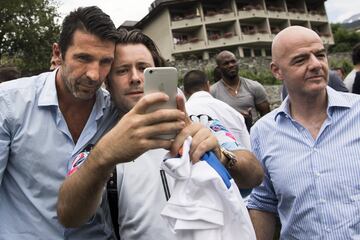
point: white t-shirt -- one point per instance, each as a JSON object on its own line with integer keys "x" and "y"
{"x": 202, "y": 103}
{"x": 349, "y": 80}
{"x": 206, "y": 203}
{"x": 141, "y": 198}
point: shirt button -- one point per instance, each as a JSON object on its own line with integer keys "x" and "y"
{"x": 317, "y": 174}
{"x": 322, "y": 201}
{"x": 327, "y": 229}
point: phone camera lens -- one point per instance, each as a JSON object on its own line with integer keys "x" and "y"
{"x": 151, "y": 71}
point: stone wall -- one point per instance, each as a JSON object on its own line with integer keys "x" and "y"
{"x": 253, "y": 63}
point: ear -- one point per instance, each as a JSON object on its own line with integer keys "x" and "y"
{"x": 207, "y": 87}
{"x": 276, "y": 71}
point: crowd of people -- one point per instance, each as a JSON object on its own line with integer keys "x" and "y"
{"x": 64, "y": 140}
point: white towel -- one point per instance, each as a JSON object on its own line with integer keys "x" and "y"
{"x": 201, "y": 205}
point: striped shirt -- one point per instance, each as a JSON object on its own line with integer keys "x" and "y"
{"x": 312, "y": 185}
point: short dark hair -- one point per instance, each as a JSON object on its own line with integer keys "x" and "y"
{"x": 88, "y": 19}
{"x": 355, "y": 56}
{"x": 137, "y": 37}
{"x": 194, "y": 81}
{"x": 8, "y": 73}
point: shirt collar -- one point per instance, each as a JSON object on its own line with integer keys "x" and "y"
{"x": 200, "y": 94}
{"x": 48, "y": 96}
{"x": 335, "y": 100}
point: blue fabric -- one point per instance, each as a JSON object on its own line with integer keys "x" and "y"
{"x": 313, "y": 185}
{"x": 214, "y": 162}
{"x": 36, "y": 148}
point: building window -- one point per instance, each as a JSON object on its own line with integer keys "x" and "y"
{"x": 257, "y": 52}
{"x": 268, "y": 52}
{"x": 247, "y": 52}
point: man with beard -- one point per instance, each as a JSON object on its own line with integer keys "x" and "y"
{"x": 47, "y": 119}
{"x": 132, "y": 148}
{"x": 309, "y": 148}
{"x": 247, "y": 96}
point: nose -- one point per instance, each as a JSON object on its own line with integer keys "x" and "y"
{"x": 315, "y": 62}
{"x": 135, "y": 77}
{"x": 93, "y": 72}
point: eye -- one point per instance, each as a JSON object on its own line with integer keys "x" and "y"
{"x": 106, "y": 61}
{"x": 83, "y": 58}
{"x": 141, "y": 67}
{"x": 121, "y": 71}
{"x": 321, "y": 55}
{"x": 299, "y": 61}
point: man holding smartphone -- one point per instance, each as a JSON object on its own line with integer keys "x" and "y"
{"x": 132, "y": 147}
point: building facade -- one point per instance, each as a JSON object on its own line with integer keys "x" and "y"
{"x": 203, "y": 28}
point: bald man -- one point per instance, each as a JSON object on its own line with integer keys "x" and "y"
{"x": 309, "y": 148}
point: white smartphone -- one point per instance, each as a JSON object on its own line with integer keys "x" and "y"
{"x": 162, "y": 79}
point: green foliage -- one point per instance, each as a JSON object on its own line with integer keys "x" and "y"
{"x": 264, "y": 76}
{"x": 344, "y": 39}
{"x": 342, "y": 63}
{"x": 27, "y": 30}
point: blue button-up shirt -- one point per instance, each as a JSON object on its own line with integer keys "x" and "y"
{"x": 35, "y": 150}
{"x": 313, "y": 185}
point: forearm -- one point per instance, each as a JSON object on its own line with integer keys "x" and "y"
{"x": 263, "y": 108}
{"x": 264, "y": 224}
{"x": 81, "y": 192}
{"x": 247, "y": 171}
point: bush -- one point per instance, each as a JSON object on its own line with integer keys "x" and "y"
{"x": 264, "y": 77}
{"x": 343, "y": 63}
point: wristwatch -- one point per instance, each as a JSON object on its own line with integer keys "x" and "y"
{"x": 230, "y": 157}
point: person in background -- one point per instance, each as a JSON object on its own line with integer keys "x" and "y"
{"x": 8, "y": 73}
{"x": 246, "y": 96}
{"x": 132, "y": 148}
{"x": 340, "y": 72}
{"x": 201, "y": 103}
{"x": 355, "y": 56}
{"x": 309, "y": 148}
{"x": 356, "y": 85}
{"x": 45, "y": 120}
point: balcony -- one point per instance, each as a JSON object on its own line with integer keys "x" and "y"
{"x": 219, "y": 15}
{"x": 297, "y": 13}
{"x": 249, "y": 11}
{"x": 190, "y": 45}
{"x": 226, "y": 39}
{"x": 277, "y": 15}
{"x": 186, "y": 21}
{"x": 317, "y": 15}
{"x": 260, "y": 36}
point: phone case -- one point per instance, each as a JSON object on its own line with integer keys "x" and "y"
{"x": 162, "y": 79}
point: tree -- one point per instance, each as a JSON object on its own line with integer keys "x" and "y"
{"x": 27, "y": 30}
{"x": 344, "y": 39}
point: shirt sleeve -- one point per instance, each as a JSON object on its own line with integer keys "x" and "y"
{"x": 260, "y": 94}
{"x": 263, "y": 197}
{"x": 5, "y": 135}
{"x": 224, "y": 136}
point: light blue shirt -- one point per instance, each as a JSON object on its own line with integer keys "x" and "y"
{"x": 35, "y": 150}
{"x": 313, "y": 185}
